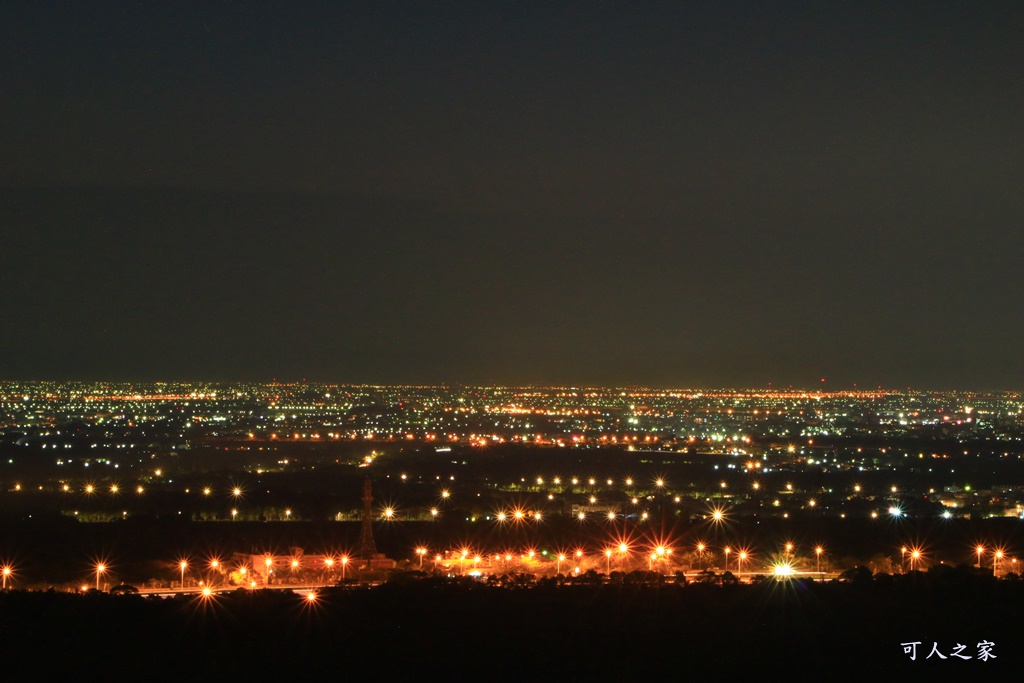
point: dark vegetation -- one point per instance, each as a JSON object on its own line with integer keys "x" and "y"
{"x": 420, "y": 627}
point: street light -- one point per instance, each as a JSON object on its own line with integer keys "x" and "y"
{"x": 561, "y": 558}
{"x": 980, "y": 550}
{"x": 100, "y": 568}
{"x": 329, "y": 563}
{"x": 6, "y": 572}
{"x": 608, "y": 557}
{"x": 727, "y": 551}
{"x": 183, "y": 565}
{"x": 903, "y": 559}
{"x": 421, "y": 551}
{"x": 818, "y": 551}
{"x": 344, "y": 563}
{"x": 915, "y": 557}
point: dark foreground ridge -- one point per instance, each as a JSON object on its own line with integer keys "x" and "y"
{"x": 413, "y": 627}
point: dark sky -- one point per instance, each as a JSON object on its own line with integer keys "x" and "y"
{"x": 670, "y": 194}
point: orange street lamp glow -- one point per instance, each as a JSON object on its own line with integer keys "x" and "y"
{"x": 783, "y": 571}
{"x": 100, "y": 568}
{"x": 6, "y": 572}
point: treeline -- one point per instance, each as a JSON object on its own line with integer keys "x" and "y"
{"x": 416, "y": 625}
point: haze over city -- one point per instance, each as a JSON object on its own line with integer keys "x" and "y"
{"x": 591, "y": 193}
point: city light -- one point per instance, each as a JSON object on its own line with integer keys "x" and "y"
{"x": 783, "y": 570}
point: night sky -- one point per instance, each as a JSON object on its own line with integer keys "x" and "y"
{"x": 667, "y": 194}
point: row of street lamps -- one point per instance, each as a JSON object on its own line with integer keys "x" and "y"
{"x": 659, "y": 552}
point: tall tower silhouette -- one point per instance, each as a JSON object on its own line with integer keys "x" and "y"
{"x": 369, "y": 548}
